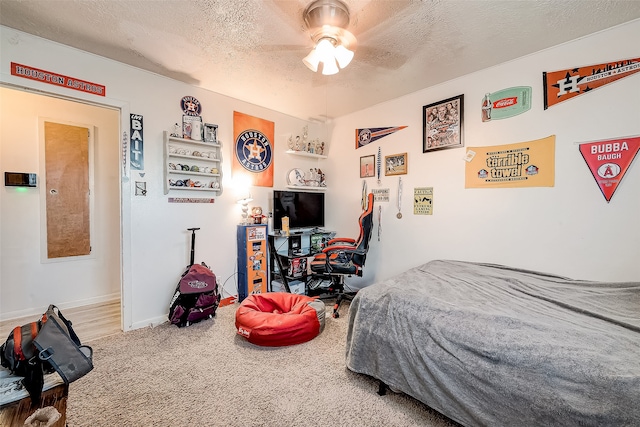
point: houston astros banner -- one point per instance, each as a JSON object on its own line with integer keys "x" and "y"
{"x": 367, "y": 135}
{"x": 566, "y": 84}
{"x": 524, "y": 164}
{"x": 253, "y": 149}
{"x": 609, "y": 160}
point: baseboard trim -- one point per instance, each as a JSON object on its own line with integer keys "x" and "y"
{"x": 149, "y": 323}
{"x": 37, "y": 311}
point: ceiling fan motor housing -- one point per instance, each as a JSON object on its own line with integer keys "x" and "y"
{"x": 333, "y": 13}
{"x": 329, "y": 19}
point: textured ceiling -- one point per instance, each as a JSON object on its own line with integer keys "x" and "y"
{"x": 252, "y": 50}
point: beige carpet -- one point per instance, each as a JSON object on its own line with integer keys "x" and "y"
{"x": 207, "y": 375}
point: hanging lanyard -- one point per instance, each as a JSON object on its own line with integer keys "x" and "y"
{"x": 379, "y": 222}
{"x": 379, "y": 164}
{"x": 364, "y": 195}
{"x": 399, "y": 214}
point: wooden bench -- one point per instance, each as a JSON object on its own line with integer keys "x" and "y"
{"x": 15, "y": 403}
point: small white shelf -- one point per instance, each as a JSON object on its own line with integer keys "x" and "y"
{"x": 306, "y": 154}
{"x": 184, "y": 156}
{"x": 193, "y": 188}
{"x": 306, "y": 188}
{"x": 192, "y": 142}
{"x": 181, "y": 172}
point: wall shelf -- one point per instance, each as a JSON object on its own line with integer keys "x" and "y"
{"x": 306, "y": 188}
{"x": 306, "y": 154}
{"x": 208, "y": 156}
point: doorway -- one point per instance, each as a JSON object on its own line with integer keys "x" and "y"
{"x": 71, "y": 282}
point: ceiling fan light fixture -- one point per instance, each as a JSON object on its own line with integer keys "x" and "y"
{"x": 325, "y": 49}
{"x": 329, "y": 67}
{"x": 327, "y": 21}
{"x": 343, "y": 56}
{"x": 312, "y": 60}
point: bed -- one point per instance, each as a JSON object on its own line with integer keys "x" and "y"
{"x": 490, "y": 345}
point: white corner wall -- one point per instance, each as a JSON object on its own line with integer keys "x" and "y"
{"x": 156, "y": 243}
{"x": 568, "y": 229}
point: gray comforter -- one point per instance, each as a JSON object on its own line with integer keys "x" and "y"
{"x": 489, "y": 345}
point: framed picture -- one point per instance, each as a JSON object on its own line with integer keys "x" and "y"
{"x": 367, "y": 166}
{"x": 442, "y": 124}
{"x": 192, "y": 127}
{"x": 210, "y": 132}
{"x": 395, "y": 164}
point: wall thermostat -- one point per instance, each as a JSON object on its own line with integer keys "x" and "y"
{"x": 20, "y": 179}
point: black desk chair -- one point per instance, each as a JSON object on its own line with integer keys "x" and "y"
{"x": 343, "y": 256}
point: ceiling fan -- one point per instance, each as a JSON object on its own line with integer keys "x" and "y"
{"x": 327, "y": 22}
{"x": 338, "y": 21}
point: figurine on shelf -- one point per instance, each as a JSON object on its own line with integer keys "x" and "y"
{"x": 312, "y": 179}
{"x": 319, "y": 147}
{"x": 321, "y": 178}
{"x": 177, "y": 131}
{"x": 256, "y": 214}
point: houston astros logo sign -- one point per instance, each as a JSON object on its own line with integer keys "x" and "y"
{"x": 253, "y": 150}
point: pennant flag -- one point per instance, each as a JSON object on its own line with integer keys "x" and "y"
{"x": 367, "y": 135}
{"x": 566, "y": 84}
{"x": 609, "y": 160}
{"x": 524, "y": 164}
{"x": 253, "y": 149}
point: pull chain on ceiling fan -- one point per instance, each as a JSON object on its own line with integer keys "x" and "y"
{"x": 327, "y": 20}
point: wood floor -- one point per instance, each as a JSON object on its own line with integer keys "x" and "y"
{"x": 90, "y": 322}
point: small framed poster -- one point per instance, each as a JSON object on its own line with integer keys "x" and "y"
{"x": 210, "y": 132}
{"x": 442, "y": 124}
{"x": 192, "y": 127}
{"x": 395, "y": 164}
{"x": 367, "y": 166}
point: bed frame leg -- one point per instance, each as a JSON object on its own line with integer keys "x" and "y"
{"x": 382, "y": 388}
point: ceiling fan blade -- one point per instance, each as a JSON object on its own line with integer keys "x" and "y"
{"x": 283, "y": 47}
{"x": 367, "y": 15}
{"x": 379, "y": 57}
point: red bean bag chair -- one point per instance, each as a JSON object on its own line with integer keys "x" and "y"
{"x": 277, "y": 319}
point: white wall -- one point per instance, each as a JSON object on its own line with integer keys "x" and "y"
{"x": 568, "y": 229}
{"x": 28, "y": 279}
{"x": 155, "y": 241}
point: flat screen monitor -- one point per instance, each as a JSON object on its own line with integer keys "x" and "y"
{"x": 305, "y": 209}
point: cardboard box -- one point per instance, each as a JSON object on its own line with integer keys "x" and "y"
{"x": 297, "y": 267}
{"x": 296, "y": 286}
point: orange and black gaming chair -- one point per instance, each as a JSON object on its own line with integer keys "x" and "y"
{"x": 343, "y": 256}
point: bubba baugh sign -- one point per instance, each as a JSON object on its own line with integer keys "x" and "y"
{"x": 609, "y": 160}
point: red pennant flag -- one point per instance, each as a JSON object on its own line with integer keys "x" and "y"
{"x": 609, "y": 160}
